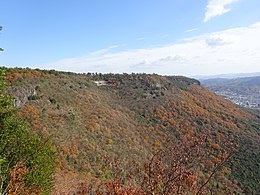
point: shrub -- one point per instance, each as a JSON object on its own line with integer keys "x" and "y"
{"x": 52, "y": 100}
{"x": 33, "y": 97}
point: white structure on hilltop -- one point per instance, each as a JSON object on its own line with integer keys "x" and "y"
{"x": 101, "y": 83}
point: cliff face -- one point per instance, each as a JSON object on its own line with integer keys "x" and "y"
{"x": 22, "y": 95}
{"x": 131, "y": 117}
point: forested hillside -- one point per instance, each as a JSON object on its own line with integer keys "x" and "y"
{"x": 139, "y": 133}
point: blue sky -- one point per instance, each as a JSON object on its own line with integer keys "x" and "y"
{"x": 187, "y": 37}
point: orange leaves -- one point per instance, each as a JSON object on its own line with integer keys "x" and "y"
{"x": 17, "y": 178}
{"x": 93, "y": 126}
{"x": 191, "y": 180}
{"x": 162, "y": 127}
{"x": 231, "y": 125}
{"x": 214, "y": 145}
{"x": 13, "y": 77}
{"x": 226, "y": 170}
{"x": 151, "y": 128}
{"x": 158, "y": 144}
{"x": 116, "y": 188}
{"x": 210, "y": 100}
{"x": 172, "y": 171}
{"x": 209, "y": 164}
{"x": 31, "y": 113}
{"x": 14, "y": 74}
{"x": 17, "y": 185}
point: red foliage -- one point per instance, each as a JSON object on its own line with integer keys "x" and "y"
{"x": 171, "y": 171}
{"x": 17, "y": 185}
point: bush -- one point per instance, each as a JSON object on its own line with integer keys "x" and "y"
{"x": 33, "y": 97}
{"x": 52, "y": 100}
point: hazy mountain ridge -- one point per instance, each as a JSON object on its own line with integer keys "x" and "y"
{"x": 130, "y": 116}
{"x": 235, "y": 82}
{"x": 226, "y": 76}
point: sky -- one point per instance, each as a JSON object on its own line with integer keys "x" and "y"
{"x": 168, "y": 37}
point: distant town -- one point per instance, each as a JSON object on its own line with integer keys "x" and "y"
{"x": 243, "y": 91}
{"x": 248, "y": 101}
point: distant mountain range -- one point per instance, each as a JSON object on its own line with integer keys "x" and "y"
{"x": 226, "y": 76}
{"x": 236, "y": 83}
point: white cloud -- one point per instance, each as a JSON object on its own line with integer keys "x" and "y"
{"x": 230, "y": 51}
{"x": 113, "y": 46}
{"x": 216, "y": 8}
{"x": 219, "y": 39}
{"x": 190, "y": 30}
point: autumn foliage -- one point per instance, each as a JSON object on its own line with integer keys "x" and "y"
{"x": 139, "y": 133}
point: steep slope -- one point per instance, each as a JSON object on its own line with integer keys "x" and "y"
{"x": 131, "y": 117}
{"x": 182, "y": 107}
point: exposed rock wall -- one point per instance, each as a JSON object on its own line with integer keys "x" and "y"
{"x": 21, "y": 95}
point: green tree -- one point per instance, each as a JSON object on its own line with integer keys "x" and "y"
{"x": 19, "y": 146}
